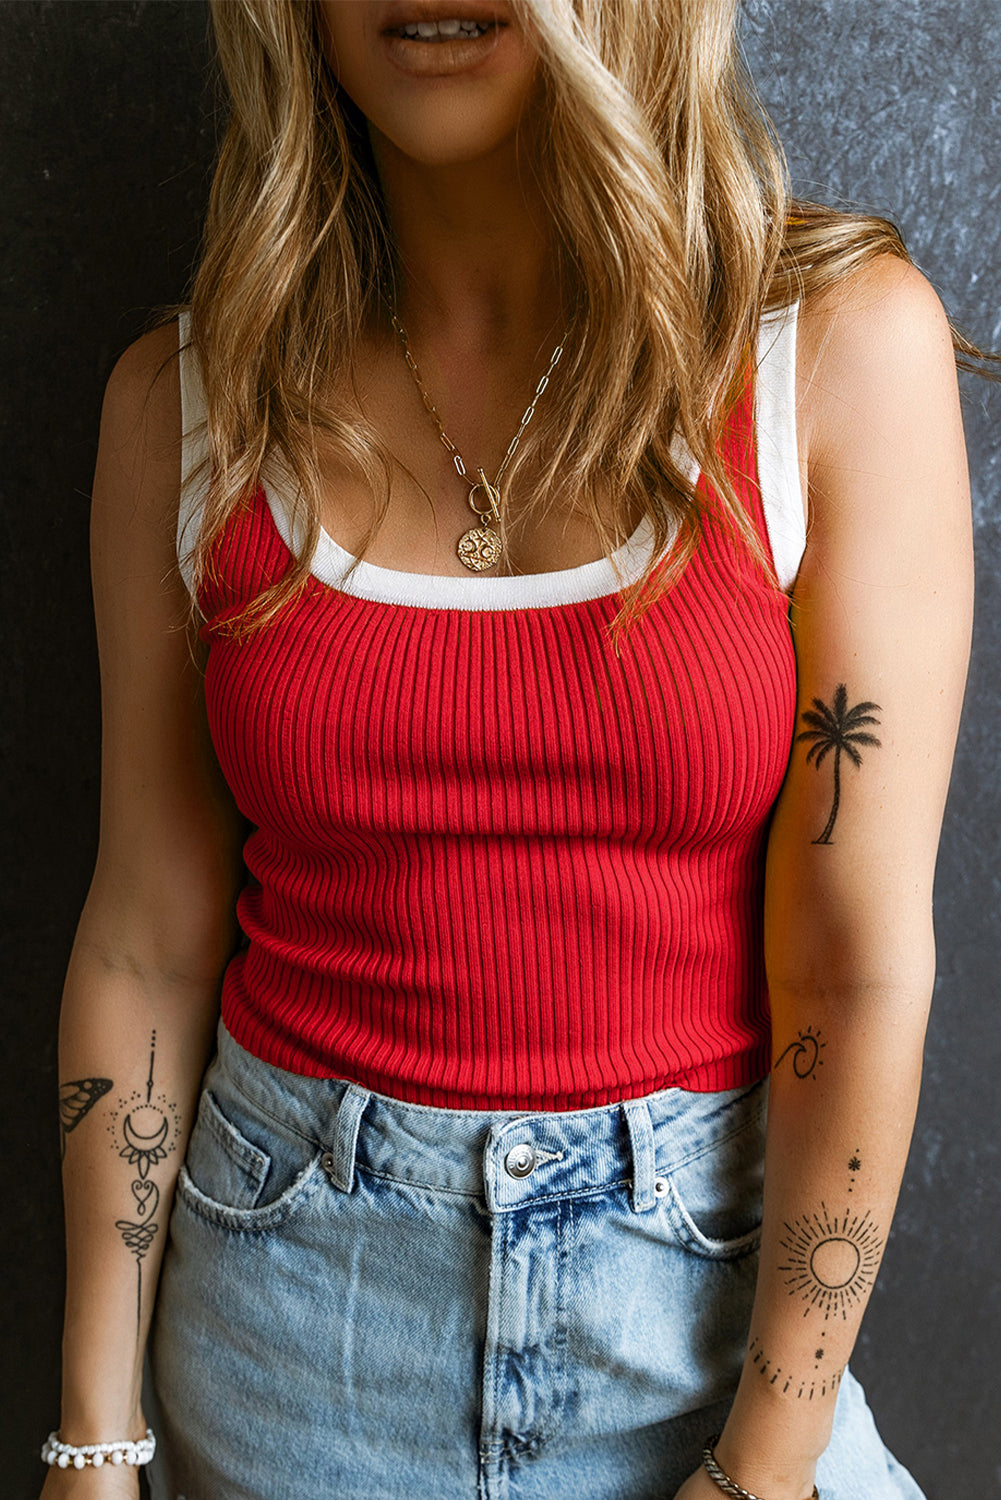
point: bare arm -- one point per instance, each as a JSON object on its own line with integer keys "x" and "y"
{"x": 881, "y": 617}
{"x": 141, "y": 995}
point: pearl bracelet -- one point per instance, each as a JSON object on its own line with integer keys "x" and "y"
{"x": 722, "y": 1481}
{"x": 125, "y": 1451}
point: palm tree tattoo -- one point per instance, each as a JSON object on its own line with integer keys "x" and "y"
{"x": 842, "y": 730}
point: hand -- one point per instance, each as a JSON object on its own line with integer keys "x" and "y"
{"x": 109, "y": 1482}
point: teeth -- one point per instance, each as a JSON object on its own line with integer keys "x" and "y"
{"x": 441, "y": 31}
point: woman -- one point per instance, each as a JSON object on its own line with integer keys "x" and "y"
{"x": 556, "y": 875}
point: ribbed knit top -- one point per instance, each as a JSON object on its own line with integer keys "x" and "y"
{"x": 494, "y": 865}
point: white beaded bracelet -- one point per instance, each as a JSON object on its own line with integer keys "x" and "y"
{"x": 125, "y": 1451}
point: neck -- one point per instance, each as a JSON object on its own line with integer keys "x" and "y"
{"x": 477, "y": 268}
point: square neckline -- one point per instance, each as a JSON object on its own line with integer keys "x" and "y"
{"x": 597, "y": 579}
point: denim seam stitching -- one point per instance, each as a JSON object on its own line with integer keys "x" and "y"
{"x": 546, "y": 1429}
{"x": 428, "y": 1187}
{"x": 497, "y": 1446}
{"x": 554, "y": 1197}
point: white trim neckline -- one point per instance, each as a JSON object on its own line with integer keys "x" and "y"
{"x": 593, "y": 580}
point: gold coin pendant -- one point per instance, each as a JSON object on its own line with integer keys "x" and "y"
{"x": 479, "y": 548}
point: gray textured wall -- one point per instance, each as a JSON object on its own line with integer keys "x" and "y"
{"x": 106, "y": 138}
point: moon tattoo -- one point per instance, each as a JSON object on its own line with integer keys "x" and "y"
{"x": 831, "y": 1263}
{"x": 143, "y": 1149}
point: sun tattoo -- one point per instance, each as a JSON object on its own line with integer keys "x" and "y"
{"x": 840, "y": 729}
{"x": 831, "y": 1263}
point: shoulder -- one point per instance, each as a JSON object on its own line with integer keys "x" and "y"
{"x": 874, "y": 352}
{"x": 139, "y": 451}
{"x": 136, "y": 492}
{"x": 144, "y": 383}
{"x": 888, "y": 484}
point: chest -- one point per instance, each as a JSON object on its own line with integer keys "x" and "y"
{"x": 349, "y": 719}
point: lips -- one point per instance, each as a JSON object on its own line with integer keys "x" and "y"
{"x": 474, "y": 54}
{"x": 399, "y": 13}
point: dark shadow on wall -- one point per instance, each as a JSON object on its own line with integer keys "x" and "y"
{"x": 106, "y": 148}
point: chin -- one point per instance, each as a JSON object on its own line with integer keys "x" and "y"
{"x": 444, "y": 82}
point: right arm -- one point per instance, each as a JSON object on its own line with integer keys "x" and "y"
{"x": 141, "y": 997}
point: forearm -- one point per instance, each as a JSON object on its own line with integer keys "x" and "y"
{"x": 844, "y": 1092}
{"x": 132, "y": 1050}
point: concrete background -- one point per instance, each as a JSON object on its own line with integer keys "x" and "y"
{"x": 107, "y": 135}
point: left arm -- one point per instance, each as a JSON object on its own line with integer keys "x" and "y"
{"x": 882, "y": 618}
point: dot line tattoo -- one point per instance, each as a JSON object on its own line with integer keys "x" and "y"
{"x": 148, "y": 1130}
{"x": 831, "y": 1263}
{"x": 854, "y": 1165}
{"x": 801, "y": 1386}
{"x": 806, "y": 1050}
{"x": 838, "y": 728}
{"x": 77, "y": 1098}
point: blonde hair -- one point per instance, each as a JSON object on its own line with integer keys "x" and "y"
{"x": 673, "y": 230}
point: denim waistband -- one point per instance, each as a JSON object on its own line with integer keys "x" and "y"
{"x": 507, "y": 1157}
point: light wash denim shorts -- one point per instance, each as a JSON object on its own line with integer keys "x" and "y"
{"x": 368, "y": 1300}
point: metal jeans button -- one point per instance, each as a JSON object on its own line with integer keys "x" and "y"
{"x": 520, "y": 1160}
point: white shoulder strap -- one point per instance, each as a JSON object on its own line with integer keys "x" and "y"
{"x": 194, "y": 448}
{"x": 776, "y": 442}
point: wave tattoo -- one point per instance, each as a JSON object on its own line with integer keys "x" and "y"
{"x": 805, "y": 1052}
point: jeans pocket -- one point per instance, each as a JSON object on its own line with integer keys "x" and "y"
{"x": 221, "y": 1161}
{"x": 244, "y": 1170}
{"x": 714, "y": 1197}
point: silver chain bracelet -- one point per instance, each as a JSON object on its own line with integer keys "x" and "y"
{"x": 723, "y": 1481}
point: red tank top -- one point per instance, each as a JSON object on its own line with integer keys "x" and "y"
{"x": 493, "y": 865}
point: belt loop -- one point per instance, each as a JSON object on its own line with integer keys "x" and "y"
{"x": 339, "y": 1159}
{"x": 637, "y": 1115}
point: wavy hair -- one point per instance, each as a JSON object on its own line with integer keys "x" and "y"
{"x": 673, "y": 229}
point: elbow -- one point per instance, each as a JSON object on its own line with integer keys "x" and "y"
{"x": 859, "y": 995}
{"x": 164, "y": 933}
{"x": 858, "y": 961}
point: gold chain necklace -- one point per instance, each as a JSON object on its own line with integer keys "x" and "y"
{"x": 481, "y": 546}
